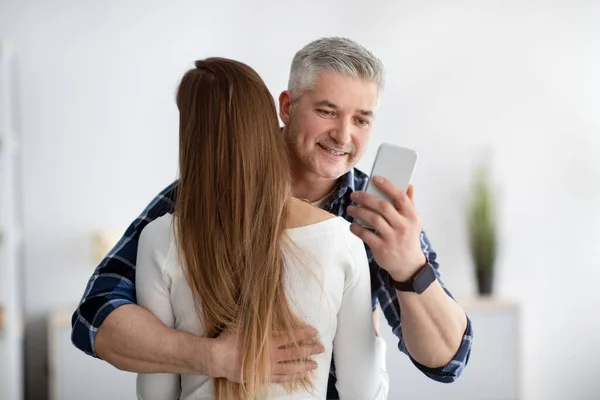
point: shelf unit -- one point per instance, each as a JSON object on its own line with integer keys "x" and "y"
{"x": 11, "y": 233}
{"x": 495, "y": 367}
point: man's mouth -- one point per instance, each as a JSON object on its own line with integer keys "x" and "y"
{"x": 334, "y": 152}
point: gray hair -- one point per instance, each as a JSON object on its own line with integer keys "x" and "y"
{"x": 333, "y": 54}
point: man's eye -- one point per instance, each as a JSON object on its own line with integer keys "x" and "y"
{"x": 362, "y": 121}
{"x": 326, "y": 113}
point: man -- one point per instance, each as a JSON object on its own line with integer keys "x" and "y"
{"x": 327, "y": 111}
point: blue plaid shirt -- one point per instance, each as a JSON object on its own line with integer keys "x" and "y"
{"x": 113, "y": 282}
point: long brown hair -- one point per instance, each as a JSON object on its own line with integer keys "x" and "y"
{"x": 230, "y": 213}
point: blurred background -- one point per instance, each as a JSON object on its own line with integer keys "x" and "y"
{"x": 88, "y": 129}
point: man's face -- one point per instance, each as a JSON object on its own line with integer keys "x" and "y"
{"x": 329, "y": 127}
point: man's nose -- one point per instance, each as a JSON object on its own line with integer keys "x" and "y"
{"x": 342, "y": 133}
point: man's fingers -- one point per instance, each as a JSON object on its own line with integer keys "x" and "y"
{"x": 391, "y": 212}
{"x": 387, "y": 187}
{"x": 305, "y": 333}
{"x": 410, "y": 192}
{"x": 288, "y": 378}
{"x": 297, "y": 353}
{"x": 367, "y": 236}
{"x": 290, "y": 362}
{"x": 401, "y": 201}
{"x": 289, "y": 371}
{"x": 374, "y": 219}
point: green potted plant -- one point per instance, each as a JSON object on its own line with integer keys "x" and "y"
{"x": 483, "y": 240}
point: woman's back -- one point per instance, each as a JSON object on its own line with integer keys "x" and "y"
{"x": 326, "y": 283}
{"x": 219, "y": 259}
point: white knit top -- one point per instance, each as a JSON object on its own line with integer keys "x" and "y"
{"x": 327, "y": 284}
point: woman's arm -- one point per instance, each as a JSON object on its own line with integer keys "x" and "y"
{"x": 359, "y": 355}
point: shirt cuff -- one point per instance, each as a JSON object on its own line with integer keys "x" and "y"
{"x": 83, "y": 334}
{"x": 451, "y": 371}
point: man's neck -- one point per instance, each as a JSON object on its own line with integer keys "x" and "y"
{"x": 310, "y": 187}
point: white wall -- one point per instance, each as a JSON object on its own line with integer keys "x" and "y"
{"x": 11, "y": 249}
{"x": 100, "y": 135}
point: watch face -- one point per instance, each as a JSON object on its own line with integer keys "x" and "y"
{"x": 424, "y": 279}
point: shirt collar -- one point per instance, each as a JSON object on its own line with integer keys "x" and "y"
{"x": 347, "y": 181}
{"x": 351, "y": 181}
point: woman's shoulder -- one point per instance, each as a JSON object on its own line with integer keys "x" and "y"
{"x": 158, "y": 236}
{"x": 308, "y": 220}
{"x": 158, "y": 228}
{"x": 302, "y": 213}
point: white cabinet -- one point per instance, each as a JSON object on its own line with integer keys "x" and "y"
{"x": 11, "y": 337}
{"x": 493, "y": 369}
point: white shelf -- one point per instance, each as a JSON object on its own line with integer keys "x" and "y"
{"x": 486, "y": 303}
{"x": 496, "y": 347}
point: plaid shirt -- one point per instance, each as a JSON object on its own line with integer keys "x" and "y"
{"x": 113, "y": 282}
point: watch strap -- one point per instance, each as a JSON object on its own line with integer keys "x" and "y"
{"x": 403, "y": 286}
{"x": 418, "y": 282}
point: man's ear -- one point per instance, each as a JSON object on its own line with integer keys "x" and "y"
{"x": 285, "y": 105}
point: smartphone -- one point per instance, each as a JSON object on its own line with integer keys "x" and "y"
{"x": 394, "y": 163}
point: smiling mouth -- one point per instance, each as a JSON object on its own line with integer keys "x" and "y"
{"x": 334, "y": 152}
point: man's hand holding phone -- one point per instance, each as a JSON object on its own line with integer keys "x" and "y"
{"x": 386, "y": 216}
{"x": 396, "y": 242}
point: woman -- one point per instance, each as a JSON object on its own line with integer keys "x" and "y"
{"x": 240, "y": 253}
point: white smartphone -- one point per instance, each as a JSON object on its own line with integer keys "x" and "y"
{"x": 394, "y": 163}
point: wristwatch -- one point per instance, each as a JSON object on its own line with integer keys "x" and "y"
{"x": 420, "y": 281}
